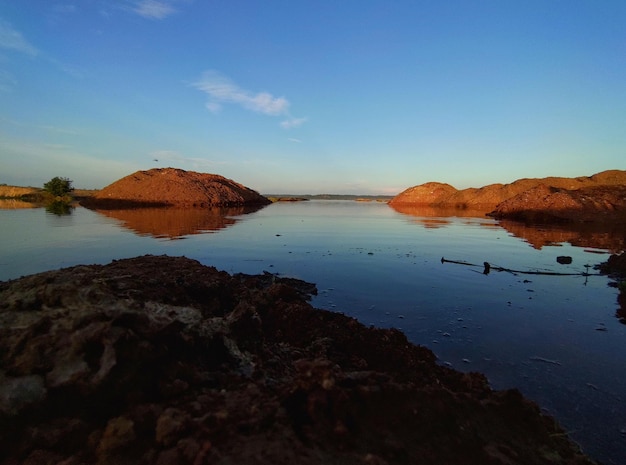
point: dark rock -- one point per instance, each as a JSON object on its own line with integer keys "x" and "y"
{"x": 564, "y": 260}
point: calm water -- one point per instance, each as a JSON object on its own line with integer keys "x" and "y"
{"x": 556, "y": 338}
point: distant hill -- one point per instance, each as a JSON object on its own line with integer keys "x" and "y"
{"x": 384, "y": 198}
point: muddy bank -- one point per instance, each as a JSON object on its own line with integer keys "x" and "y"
{"x": 163, "y": 360}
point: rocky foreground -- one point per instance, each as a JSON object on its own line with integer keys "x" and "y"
{"x": 160, "y": 360}
{"x": 160, "y": 187}
{"x": 593, "y": 199}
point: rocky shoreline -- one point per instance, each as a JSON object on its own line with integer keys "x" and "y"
{"x": 163, "y": 360}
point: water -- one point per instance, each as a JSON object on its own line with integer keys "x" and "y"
{"x": 556, "y": 338}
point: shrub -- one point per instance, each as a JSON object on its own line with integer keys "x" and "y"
{"x": 58, "y": 187}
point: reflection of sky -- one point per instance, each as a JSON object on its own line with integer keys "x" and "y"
{"x": 385, "y": 269}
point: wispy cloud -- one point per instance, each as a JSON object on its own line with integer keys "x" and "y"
{"x": 154, "y": 9}
{"x": 40, "y": 127}
{"x": 64, "y": 8}
{"x": 32, "y": 162}
{"x": 12, "y": 39}
{"x": 292, "y": 123}
{"x": 7, "y": 81}
{"x": 170, "y": 156}
{"x": 221, "y": 90}
{"x": 292, "y": 139}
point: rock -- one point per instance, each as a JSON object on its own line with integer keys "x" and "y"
{"x": 564, "y": 260}
{"x": 174, "y": 187}
{"x": 18, "y": 393}
{"x": 615, "y": 267}
{"x": 118, "y": 434}
{"x": 164, "y": 360}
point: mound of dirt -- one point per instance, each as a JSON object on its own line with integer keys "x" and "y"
{"x": 487, "y": 198}
{"x": 549, "y": 204}
{"x": 431, "y": 193}
{"x": 160, "y": 360}
{"x": 174, "y": 187}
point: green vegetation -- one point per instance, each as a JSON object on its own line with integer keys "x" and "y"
{"x": 59, "y": 208}
{"x": 59, "y": 187}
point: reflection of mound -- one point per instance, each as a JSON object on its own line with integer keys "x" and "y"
{"x": 434, "y": 211}
{"x": 600, "y": 236}
{"x": 14, "y": 204}
{"x": 596, "y": 235}
{"x": 176, "y": 222}
{"x": 435, "y": 217}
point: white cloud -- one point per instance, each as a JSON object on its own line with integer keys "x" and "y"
{"x": 214, "y": 107}
{"x": 292, "y": 123}
{"x": 220, "y": 90}
{"x": 297, "y": 141}
{"x": 13, "y": 40}
{"x": 154, "y": 9}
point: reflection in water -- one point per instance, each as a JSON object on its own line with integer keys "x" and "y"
{"x": 11, "y": 204}
{"x": 601, "y": 236}
{"x": 434, "y": 217}
{"x": 59, "y": 208}
{"x": 426, "y": 211}
{"x": 175, "y": 223}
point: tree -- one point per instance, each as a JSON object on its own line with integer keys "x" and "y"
{"x": 59, "y": 187}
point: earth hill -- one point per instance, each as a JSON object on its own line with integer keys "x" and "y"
{"x": 174, "y": 187}
{"x": 551, "y": 198}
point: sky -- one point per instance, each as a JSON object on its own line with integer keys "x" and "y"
{"x": 324, "y": 96}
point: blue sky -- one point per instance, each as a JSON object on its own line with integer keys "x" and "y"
{"x": 325, "y": 96}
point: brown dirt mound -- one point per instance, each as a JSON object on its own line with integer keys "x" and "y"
{"x": 160, "y": 360}
{"x": 549, "y": 204}
{"x": 425, "y": 194}
{"x": 174, "y": 187}
{"x": 488, "y": 197}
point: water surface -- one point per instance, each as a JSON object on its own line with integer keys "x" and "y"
{"x": 556, "y": 338}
